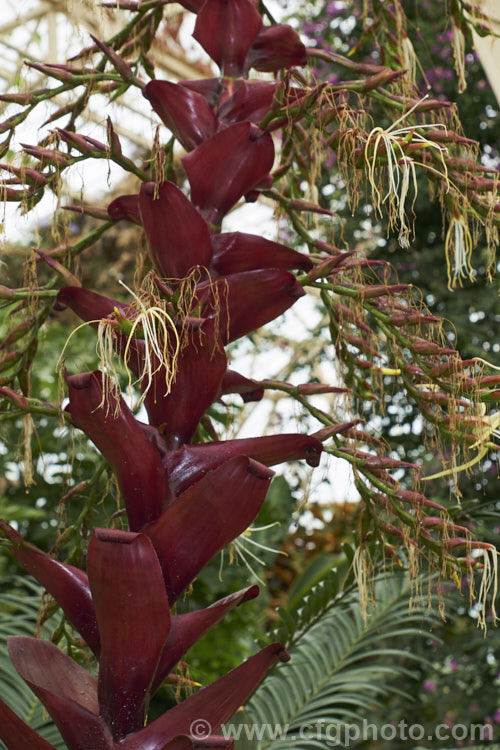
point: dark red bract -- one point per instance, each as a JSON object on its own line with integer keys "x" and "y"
{"x": 184, "y": 502}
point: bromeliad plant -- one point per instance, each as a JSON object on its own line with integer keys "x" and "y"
{"x": 186, "y": 497}
{"x": 183, "y": 503}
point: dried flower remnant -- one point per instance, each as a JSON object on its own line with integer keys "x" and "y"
{"x": 400, "y": 169}
{"x": 458, "y": 246}
{"x": 459, "y": 54}
{"x": 160, "y": 354}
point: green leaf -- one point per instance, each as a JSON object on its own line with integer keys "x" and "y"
{"x": 318, "y": 568}
{"x": 337, "y": 673}
{"x": 18, "y": 616}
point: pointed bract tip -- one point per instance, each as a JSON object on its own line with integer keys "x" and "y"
{"x": 281, "y": 653}
{"x": 250, "y": 593}
{"x": 259, "y": 470}
{"x": 82, "y": 380}
{"x": 115, "y": 535}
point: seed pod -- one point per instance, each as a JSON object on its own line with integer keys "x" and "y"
{"x": 310, "y": 389}
{"x": 412, "y": 319}
{"x": 96, "y": 211}
{"x": 114, "y": 141}
{"x": 25, "y": 174}
{"x": 17, "y": 333}
{"x": 121, "y": 66}
{"x": 15, "y": 398}
{"x": 47, "y": 155}
{"x": 65, "y": 273}
{"x": 77, "y": 141}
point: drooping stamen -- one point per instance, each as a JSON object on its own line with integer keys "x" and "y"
{"x": 458, "y": 247}
{"x": 158, "y": 330}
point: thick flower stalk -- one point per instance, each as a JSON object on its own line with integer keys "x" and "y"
{"x": 183, "y": 504}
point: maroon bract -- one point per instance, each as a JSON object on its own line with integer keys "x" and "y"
{"x": 123, "y": 567}
{"x": 179, "y": 239}
{"x": 250, "y": 300}
{"x": 135, "y": 651}
{"x": 77, "y": 592}
{"x": 226, "y": 32}
{"x": 189, "y": 463}
{"x": 221, "y": 170}
{"x": 248, "y": 389}
{"x": 194, "y": 116}
{"x": 200, "y": 367}
{"x": 276, "y": 47}
{"x": 105, "y": 418}
{"x": 184, "y": 111}
{"x": 233, "y": 36}
{"x": 234, "y": 252}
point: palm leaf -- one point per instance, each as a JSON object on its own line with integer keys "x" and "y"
{"x": 338, "y": 671}
{"x": 18, "y": 616}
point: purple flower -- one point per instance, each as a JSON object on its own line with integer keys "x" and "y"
{"x": 429, "y": 685}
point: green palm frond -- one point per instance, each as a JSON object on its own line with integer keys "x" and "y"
{"x": 341, "y": 664}
{"x": 18, "y": 616}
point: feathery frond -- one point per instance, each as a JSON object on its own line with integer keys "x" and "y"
{"x": 18, "y": 616}
{"x": 341, "y": 664}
